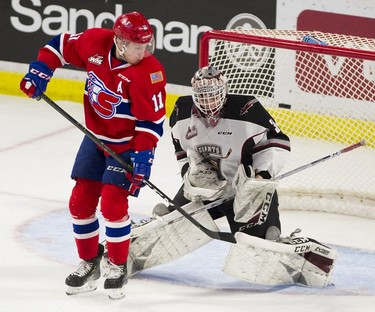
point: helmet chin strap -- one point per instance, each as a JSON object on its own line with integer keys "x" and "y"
{"x": 121, "y": 52}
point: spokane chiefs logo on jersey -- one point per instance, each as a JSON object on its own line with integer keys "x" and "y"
{"x": 102, "y": 100}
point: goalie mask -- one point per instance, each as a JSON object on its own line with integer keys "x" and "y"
{"x": 209, "y": 92}
{"x": 134, "y": 38}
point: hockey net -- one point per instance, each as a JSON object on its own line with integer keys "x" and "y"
{"x": 322, "y": 96}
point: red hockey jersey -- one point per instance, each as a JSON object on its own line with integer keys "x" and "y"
{"x": 124, "y": 104}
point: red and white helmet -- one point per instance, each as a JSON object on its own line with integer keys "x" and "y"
{"x": 133, "y": 27}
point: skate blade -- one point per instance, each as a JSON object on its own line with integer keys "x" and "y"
{"x": 116, "y": 294}
{"x": 89, "y": 287}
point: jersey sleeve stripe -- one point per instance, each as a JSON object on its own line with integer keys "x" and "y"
{"x": 278, "y": 143}
{"x": 56, "y": 46}
{"x": 145, "y": 130}
{"x": 150, "y": 127}
{"x": 112, "y": 140}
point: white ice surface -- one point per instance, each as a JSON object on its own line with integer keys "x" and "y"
{"x": 37, "y": 150}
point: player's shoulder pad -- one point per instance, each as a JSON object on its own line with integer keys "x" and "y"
{"x": 182, "y": 109}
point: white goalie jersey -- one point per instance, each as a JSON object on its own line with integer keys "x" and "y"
{"x": 245, "y": 134}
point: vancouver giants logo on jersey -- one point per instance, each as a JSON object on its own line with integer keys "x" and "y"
{"x": 206, "y": 149}
{"x": 102, "y": 100}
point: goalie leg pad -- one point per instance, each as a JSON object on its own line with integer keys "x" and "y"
{"x": 299, "y": 261}
{"x": 318, "y": 268}
{"x": 164, "y": 239}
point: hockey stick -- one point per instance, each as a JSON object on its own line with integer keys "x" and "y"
{"x": 224, "y": 236}
{"x": 320, "y": 160}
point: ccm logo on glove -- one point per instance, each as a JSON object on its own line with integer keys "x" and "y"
{"x": 142, "y": 162}
{"x": 35, "y": 81}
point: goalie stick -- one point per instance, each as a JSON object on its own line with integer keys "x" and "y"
{"x": 224, "y": 236}
{"x": 320, "y": 160}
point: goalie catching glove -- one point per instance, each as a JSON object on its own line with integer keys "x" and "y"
{"x": 201, "y": 181}
{"x": 253, "y": 196}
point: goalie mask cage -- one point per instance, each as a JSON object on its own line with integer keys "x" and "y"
{"x": 321, "y": 96}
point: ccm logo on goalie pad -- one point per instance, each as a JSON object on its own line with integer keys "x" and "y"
{"x": 304, "y": 244}
{"x": 321, "y": 251}
{"x": 260, "y": 215}
{"x": 302, "y": 248}
{"x": 266, "y": 207}
{"x": 298, "y": 240}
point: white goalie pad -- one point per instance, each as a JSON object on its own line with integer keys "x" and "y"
{"x": 253, "y": 197}
{"x": 169, "y": 237}
{"x": 300, "y": 261}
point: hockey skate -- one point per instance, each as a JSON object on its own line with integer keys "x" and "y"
{"x": 117, "y": 278}
{"x": 85, "y": 277}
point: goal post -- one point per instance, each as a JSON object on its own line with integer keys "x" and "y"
{"x": 321, "y": 95}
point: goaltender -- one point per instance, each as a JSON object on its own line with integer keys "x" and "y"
{"x": 229, "y": 148}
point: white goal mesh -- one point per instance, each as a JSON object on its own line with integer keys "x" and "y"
{"x": 322, "y": 96}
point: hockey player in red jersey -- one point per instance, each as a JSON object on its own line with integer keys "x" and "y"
{"x": 124, "y": 106}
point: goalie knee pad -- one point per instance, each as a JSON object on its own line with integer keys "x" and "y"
{"x": 272, "y": 233}
{"x": 160, "y": 210}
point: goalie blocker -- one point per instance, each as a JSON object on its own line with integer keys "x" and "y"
{"x": 292, "y": 260}
{"x": 253, "y": 196}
